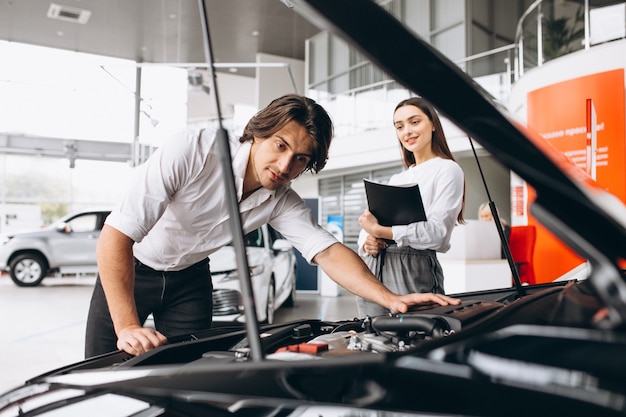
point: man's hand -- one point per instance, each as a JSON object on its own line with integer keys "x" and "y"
{"x": 402, "y": 303}
{"x": 136, "y": 340}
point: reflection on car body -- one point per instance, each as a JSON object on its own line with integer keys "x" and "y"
{"x": 272, "y": 263}
{"x": 541, "y": 350}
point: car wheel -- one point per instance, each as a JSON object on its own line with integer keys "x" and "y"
{"x": 291, "y": 300}
{"x": 271, "y": 304}
{"x": 28, "y": 270}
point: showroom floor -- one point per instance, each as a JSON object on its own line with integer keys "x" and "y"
{"x": 42, "y": 328}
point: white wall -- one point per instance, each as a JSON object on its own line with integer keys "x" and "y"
{"x": 232, "y": 90}
{"x": 275, "y": 82}
{"x": 306, "y": 185}
{"x": 19, "y": 217}
{"x": 240, "y": 96}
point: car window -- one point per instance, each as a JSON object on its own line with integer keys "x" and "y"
{"x": 273, "y": 234}
{"x": 255, "y": 238}
{"x": 84, "y": 223}
{"x": 101, "y": 219}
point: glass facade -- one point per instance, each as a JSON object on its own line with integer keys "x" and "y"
{"x": 344, "y": 196}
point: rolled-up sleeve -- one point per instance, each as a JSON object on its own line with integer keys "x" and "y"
{"x": 152, "y": 187}
{"x": 294, "y": 220}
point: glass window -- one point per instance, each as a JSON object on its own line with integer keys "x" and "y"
{"x": 344, "y": 196}
{"x": 255, "y": 238}
{"x": 84, "y": 223}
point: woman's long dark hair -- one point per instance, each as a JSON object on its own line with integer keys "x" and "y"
{"x": 439, "y": 143}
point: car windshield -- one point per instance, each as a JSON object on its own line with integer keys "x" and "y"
{"x": 253, "y": 239}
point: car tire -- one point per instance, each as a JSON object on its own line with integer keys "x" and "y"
{"x": 291, "y": 300}
{"x": 28, "y": 269}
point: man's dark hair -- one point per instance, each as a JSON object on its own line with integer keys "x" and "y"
{"x": 303, "y": 110}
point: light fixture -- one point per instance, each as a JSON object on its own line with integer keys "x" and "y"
{"x": 68, "y": 14}
{"x": 195, "y": 78}
{"x": 154, "y": 122}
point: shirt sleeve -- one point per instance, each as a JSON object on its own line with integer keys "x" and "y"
{"x": 294, "y": 220}
{"x": 442, "y": 213}
{"x": 154, "y": 184}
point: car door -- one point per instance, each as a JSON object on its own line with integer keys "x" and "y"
{"x": 283, "y": 266}
{"x": 75, "y": 244}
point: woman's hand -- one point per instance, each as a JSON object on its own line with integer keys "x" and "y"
{"x": 368, "y": 222}
{"x": 373, "y": 246}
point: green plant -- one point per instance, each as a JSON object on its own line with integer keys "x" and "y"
{"x": 560, "y": 35}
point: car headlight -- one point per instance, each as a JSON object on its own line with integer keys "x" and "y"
{"x": 256, "y": 270}
{"x": 5, "y": 239}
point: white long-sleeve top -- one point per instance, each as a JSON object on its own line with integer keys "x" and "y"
{"x": 441, "y": 183}
{"x": 176, "y": 211}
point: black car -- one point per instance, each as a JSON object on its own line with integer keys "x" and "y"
{"x": 540, "y": 350}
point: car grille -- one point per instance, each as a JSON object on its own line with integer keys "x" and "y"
{"x": 226, "y": 302}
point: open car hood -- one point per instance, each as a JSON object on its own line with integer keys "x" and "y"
{"x": 541, "y": 353}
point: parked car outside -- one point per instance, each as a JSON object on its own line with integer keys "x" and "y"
{"x": 67, "y": 245}
{"x": 273, "y": 271}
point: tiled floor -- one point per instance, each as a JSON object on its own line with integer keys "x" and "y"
{"x": 313, "y": 306}
{"x": 42, "y": 328}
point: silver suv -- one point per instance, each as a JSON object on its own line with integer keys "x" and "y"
{"x": 68, "y": 245}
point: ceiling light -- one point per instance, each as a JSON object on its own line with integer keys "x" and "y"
{"x": 69, "y": 14}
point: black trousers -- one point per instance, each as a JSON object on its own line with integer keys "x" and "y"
{"x": 181, "y": 303}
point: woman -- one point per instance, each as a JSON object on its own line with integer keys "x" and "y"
{"x": 404, "y": 257}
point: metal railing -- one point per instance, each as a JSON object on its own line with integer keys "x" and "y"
{"x": 553, "y": 28}
{"x": 547, "y": 30}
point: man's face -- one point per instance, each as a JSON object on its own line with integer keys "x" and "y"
{"x": 280, "y": 158}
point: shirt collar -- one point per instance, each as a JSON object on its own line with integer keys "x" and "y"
{"x": 240, "y": 162}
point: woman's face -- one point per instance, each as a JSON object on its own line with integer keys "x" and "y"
{"x": 414, "y": 128}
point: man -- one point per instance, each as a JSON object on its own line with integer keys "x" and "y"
{"x": 153, "y": 250}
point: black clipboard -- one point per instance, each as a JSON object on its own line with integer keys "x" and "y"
{"x": 393, "y": 204}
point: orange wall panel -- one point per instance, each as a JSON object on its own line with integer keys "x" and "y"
{"x": 559, "y": 114}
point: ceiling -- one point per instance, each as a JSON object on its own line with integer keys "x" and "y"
{"x": 159, "y": 31}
